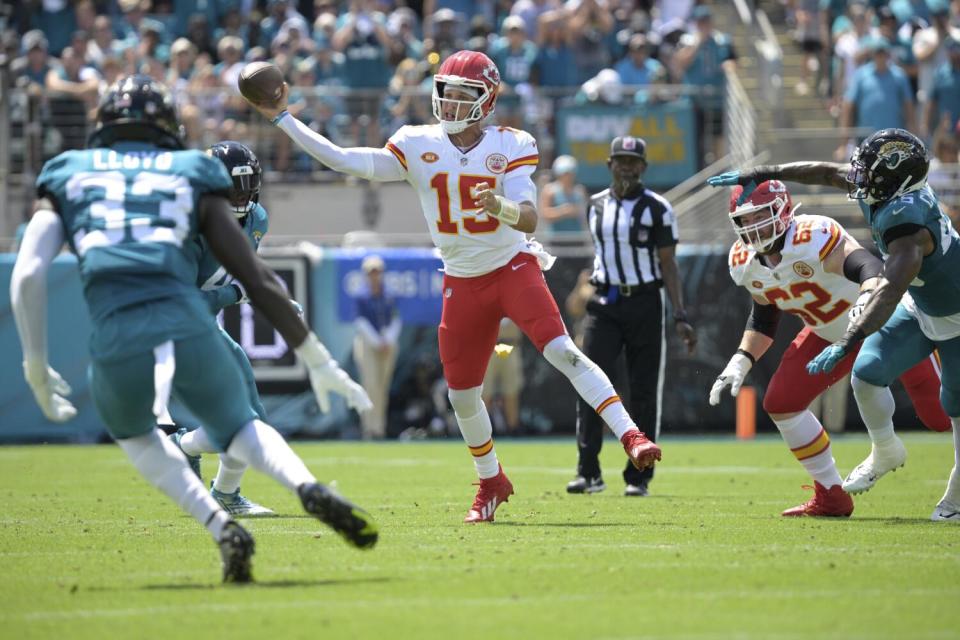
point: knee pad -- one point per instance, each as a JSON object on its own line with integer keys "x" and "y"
{"x": 564, "y": 355}
{"x": 466, "y": 402}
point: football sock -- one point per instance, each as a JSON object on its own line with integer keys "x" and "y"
{"x": 952, "y": 494}
{"x": 476, "y": 429}
{"x": 262, "y": 447}
{"x": 196, "y": 442}
{"x": 876, "y": 408}
{"x": 809, "y": 442}
{"x": 229, "y": 474}
{"x": 161, "y": 463}
{"x": 590, "y": 382}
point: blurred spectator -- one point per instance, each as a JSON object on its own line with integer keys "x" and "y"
{"x": 406, "y": 103}
{"x": 807, "y": 35}
{"x": 279, "y": 12}
{"x": 906, "y": 10}
{"x": 514, "y": 56}
{"x": 86, "y": 14}
{"x": 230, "y": 52}
{"x": 375, "y": 346}
{"x": 103, "y": 44}
{"x": 638, "y": 69}
{"x": 504, "y": 380}
{"x": 592, "y": 25}
{"x": 853, "y": 30}
{"x": 702, "y": 59}
{"x": 183, "y": 10}
{"x": 198, "y": 32}
{"x": 943, "y": 108}
{"x": 555, "y": 66}
{"x": 56, "y": 19}
{"x": 324, "y": 28}
{"x": 151, "y": 45}
{"x": 232, "y": 24}
{"x": 878, "y": 97}
{"x": 182, "y": 57}
{"x": 604, "y": 88}
{"x": 32, "y": 68}
{"x": 329, "y": 65}
{"x": 930, "y": 48}
{"x": 563, "y": 202}
{"x": 362, "y": 37}
{"x": 901, "y": 49}
{"x": 426, "y": 411}
{"x": 73, "y": 88}
{"x": 80, "y": 43}
{"x": 128, "y": 28}
{"x": 944, "y": 174}
{"x": 444, "y": 38}
{"x": 401, "y": 25}
{"x": 531, "y": 12}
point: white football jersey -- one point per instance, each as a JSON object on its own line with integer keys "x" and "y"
{"x": 471, "y": 242}
{"x": 799, "y": 284}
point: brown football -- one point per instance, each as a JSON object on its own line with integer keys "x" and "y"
{"x": 261, "y": 83}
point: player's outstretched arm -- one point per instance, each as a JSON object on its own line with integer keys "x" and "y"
{"x": 362, "y": 162}
{"x": 28, "y": 298}
{"x": 231, "y": 247}
{"x": 828, "y": 174}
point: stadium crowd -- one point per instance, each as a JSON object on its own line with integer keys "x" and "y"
{"x": 358, "y": 69}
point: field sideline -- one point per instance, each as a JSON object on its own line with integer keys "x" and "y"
{"x": 89, "y": 550}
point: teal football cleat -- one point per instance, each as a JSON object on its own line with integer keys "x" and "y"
{"x": 350, "y": 521}
{"x": 193, "y": 461}
{"x": 240, "y": 506}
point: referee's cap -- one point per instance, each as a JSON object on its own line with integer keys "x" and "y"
{"x": 628, "y": 146}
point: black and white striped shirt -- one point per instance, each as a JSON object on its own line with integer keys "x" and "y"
{"x": 626, "y": 235}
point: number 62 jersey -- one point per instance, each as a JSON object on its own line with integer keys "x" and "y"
{"x": 799, "y": 284}
{"x": 471, "y": 242}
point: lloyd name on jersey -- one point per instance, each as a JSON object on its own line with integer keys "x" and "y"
{"x": 799, "y": 284}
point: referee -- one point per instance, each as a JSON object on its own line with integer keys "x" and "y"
{"x": 634, "y": 237}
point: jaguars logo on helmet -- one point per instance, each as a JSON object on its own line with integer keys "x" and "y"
{"x": 888, "y": 164}
{"x": 136, "y": 108}
{"x": 244, "y": 169}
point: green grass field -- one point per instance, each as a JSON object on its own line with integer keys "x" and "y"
{"x": 89, "y": 550}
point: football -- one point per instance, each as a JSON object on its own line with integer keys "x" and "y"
{"x": 261, "y": 83}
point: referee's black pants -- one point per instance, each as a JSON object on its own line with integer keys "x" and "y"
{"x": 633, "y": 325}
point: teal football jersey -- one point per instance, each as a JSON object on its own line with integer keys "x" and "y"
{"x": 936, "y": 289}
{"x": 129, "y": 214}
{"x": 210, "y": 274}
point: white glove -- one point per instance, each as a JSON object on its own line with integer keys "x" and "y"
{"x": 857, "y": 309}
{"x": 327, "y": 376}
{"x": 733, "y": 374}
{"x": 49, "y": 389}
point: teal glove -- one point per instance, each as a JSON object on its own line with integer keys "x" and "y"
{"x": 827, "y": 359}
{"x": 728, "y": 179}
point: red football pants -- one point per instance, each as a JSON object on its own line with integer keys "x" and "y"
{"x": 473, "y": 308}
{"x": 792, "y": 389}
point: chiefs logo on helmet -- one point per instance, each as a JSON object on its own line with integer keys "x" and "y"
{"x": 464, "y": 90}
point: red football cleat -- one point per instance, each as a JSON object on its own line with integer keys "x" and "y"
{"x": 642, "y": 452}
{"x": 830, "y": 503}
{"x": 491, "y": 493}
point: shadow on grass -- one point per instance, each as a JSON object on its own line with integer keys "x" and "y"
{"x": 573, "y": 525}
{"x": 262, "y": 584}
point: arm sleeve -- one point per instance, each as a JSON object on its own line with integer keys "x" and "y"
{"x": 764, "y": 318}
{"x": 366, "y": 331}
{"x": 221, "y": 297}
{"x": 667, "y": 232}
{"x": 28, "y": 283}
{"x": 517, "y": 179}
{"x": 391, "y": 333}
{"x": 861, "y": 265}
{"x": 363, "y": 162}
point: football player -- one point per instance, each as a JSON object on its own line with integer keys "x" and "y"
{"x": 130, "y": 206}
{"x": 887, "y": 176}
{"x": 474, "y": 184}
{"x": 809, "y": 266}
{"x": 221, "y": 290}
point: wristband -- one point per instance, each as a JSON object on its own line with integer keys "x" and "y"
{"x": 509, "y": 210}
{"x": 680, "y": 316}
{"x": 279, "y": 117}
{"x": 313, "y": 353}
{"x": 748, "y": 356}
{"x": 853, "y": 336}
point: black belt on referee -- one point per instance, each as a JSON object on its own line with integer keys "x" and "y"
{"x": 627, "y": 290}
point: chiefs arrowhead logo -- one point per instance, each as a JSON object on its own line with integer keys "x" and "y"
{"x": 756, "y": 284}
{"x": 803, "y": 270}
{"x": 492, "y": 74}
{"x": 429, "y": 157}
{"x": 496, "y": 163}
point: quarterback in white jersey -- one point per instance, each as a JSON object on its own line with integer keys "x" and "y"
{"x": 809, "y": 266}
{"x": 475, "y": 187}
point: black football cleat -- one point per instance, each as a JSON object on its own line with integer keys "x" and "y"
{"x": 353, "y": 523}
{"x": 581, "y": 484}
{"x": 236, "y": 550}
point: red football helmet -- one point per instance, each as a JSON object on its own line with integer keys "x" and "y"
{"x": 474, "y": 73}
{"x": 773, "y": 198}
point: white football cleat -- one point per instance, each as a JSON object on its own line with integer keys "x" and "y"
{"x": 880, "y": 461}
{"x": 946, "y": 512}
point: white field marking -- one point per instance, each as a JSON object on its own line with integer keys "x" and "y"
{"x": 668, "y": 469}
{"x": 385, "y": 462}
{"x": 766, "y": 634}
{"x": 432, "y": 602}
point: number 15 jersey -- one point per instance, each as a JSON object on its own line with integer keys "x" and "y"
{"x": 470, "y": 241}
{"x": 799, "y": 284}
